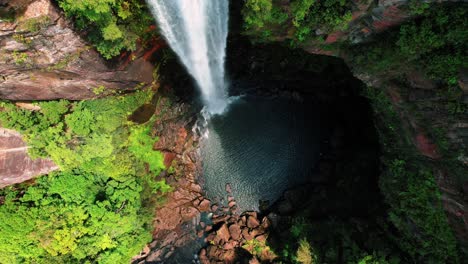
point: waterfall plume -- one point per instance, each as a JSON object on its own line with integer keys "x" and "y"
{"x": 197, "y": 31}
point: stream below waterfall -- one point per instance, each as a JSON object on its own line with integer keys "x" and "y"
{"x": 260, "y": 147}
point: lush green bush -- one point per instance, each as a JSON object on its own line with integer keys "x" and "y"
{"x": 435, "y": 43}
{"x": 314, "y": 241}
{"x": 304, "y": 254}
{"x": 73, "y": 217}
{"x": 141, "y": 145}
{"x": 111, "y": 25}
{"x": 416, "y": 211}
{"x": 306, "y": 16}
{"x": 91, "y": 211}
{"x": 262, "y": 18}
{"x": 90, "y": 135}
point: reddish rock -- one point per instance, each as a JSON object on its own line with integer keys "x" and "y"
{"x": 229, "y": 256}
{"x": 334, "y": 37}
{"x": 214, "y": 208}
{"x": 229, "y": 245}
{"x": 235, "y": 231}
{"x": 208, "y": 228}
{"x": 261, "y": 238}
{"x": 426, "y": 147}
{"x": 188, "y": 213}
{"x": 265, "y": 223}
{"x": 252, "y": 222}
{"x": 28, "y": 106}
{"x": 391, "y": 16}
{"x": 204, "y": 205}
{"x": 254, "y": 260}
{"x": 210, "y": 237}
{"x": 251, "y": 213}
{"x": 246, "y": 235}
{"x": 223, "y": 233}
{"x": 167, "y": 218}
{"x": 172, "y": 135}
{"x": 243, "y": 220}
{"x": 168, "y": 158}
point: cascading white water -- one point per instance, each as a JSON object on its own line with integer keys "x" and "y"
{"x": 197, "y": 31}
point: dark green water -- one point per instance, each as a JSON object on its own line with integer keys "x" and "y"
{"x": 260, "y": 147}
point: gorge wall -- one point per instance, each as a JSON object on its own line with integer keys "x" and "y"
{"x": 420, "y": 112}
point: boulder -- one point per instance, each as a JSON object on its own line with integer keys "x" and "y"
{"x": 223, "y": 233}
{"x": 235, "y": 231}
{"x": 204, "y": 206}
{"x": 252, "y": 222}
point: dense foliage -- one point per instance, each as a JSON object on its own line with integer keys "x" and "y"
{"x": 111, "y": 25}
{"x": 436, "y": 43}
{"x": 97, "y": 208}
{"x": 410, "y": 190}
{"x": 263, "y": 18}
{"x": 72, "y": 217}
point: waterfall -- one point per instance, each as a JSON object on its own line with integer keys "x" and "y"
{"x": 197, "y": 31}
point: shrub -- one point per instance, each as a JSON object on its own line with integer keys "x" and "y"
{"x": 72, "y": 217}
{"x": 111, "y": 25}
{"x": 91, "y": 211}
{"x": 304, "y": 253}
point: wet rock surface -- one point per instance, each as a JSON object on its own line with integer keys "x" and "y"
{"x": 236, "y": 238}
{"x": 178, "y": 217}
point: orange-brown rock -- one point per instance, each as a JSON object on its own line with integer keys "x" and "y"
{"x": 15, "y": 164}
{"x": 235, "y": 231}
{"x": 223, "y": 233}
{"x": 252, "y": 222}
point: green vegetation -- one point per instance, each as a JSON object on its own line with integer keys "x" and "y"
{"x": 263, "y": 17}
{"x": 97, "y": 209}
{"x": 334, "y": 240}
{"x": 34, "y": 24}
{"x": 304, "y": 254}
{"x": 20, "y": 58}
{"x": 73, "y": 217}
{"x": 111, "y": 25}
{"x": 435, "y": 43}
{"x": 257, "y": 248}
{"x": 410, "y": 190}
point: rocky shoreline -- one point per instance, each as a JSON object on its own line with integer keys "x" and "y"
{"x": 186, "y": 218}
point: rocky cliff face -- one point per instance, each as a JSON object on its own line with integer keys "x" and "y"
{"x": 15, "y": 164}
{"x": 42, "y": 58}
{"x": 433, "y": 123}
